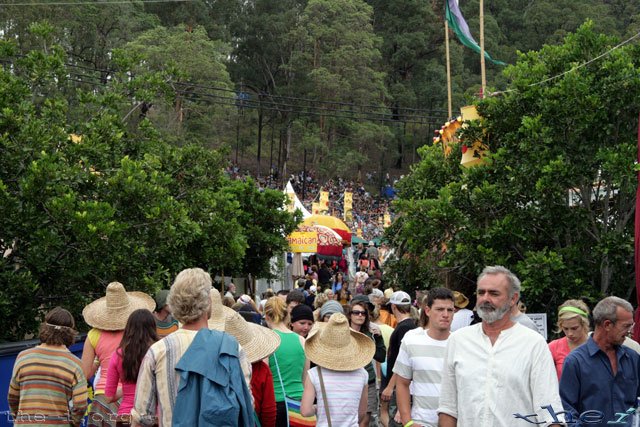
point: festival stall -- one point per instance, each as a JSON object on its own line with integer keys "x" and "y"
{"x": 331, "y": 222}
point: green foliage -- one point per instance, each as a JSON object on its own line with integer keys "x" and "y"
{"x": 554, "y": 201}
{"x": 118, "y": 203}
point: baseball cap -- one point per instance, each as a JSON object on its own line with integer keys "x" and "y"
{"x": 400, "y": 298}
{"x": 375, "y": 293}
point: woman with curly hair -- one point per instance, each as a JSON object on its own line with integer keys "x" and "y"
{"x": 139, "y": 334}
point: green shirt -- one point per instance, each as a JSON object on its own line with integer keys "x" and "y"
{"x": 290, "y": 357}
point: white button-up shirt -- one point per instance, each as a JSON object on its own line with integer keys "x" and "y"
{"x": 484, "y": 385}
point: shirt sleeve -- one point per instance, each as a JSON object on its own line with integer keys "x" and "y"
{"x": 80, "y": 396}
{"x": 268, "y": 399}
{"x": 544, "y": 381}
{"x": 448, "y": 393}
{"x": 403, "y": 366}
{"x": 570, "y": 385}
{"x": 113, "y": 374}
{"x": 13, "y": 396}
{"x": 144, "y": 406}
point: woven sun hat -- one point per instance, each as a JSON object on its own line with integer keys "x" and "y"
{"x": 111, "y": 312}
{"x": 460, "y": 300}
{"x": 257, "y": 341}
{"x": 219, "y": 312}
{"x": 333, "y": 345}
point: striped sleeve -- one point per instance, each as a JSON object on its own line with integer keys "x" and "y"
{"x": 403, "y": 366}
{"x": 144, "y": 407}
{"x": 80, "y": 396}
{"x": 13, "y": 396}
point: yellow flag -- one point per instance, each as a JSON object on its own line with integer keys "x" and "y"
{"x": 315, "y": 208}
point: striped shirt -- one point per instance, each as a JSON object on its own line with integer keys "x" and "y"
{"x": 158, "y": 381}
{"x": 344, "y": 390}
{"x": 44, "y": 380}
{"x": 421, "y": 360}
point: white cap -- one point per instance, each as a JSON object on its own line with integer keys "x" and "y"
{"x": 313, "y": 289}
{"x": 400, "y": 298}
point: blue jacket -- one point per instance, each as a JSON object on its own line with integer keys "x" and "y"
{"x": 212, "y": 390}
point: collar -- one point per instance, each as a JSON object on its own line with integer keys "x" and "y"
{"x": 593, "y": 348}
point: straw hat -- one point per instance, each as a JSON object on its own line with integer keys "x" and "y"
{"x": 333, "y": 345}
{"x": 257, "y": 341}
{"x": 219, "y": 312}
{"x": 111, "y": 312}
{"x": 459, "y": 300}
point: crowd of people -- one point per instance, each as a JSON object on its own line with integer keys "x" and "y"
{"x": 330, "y": 353}
{"x": 368, "y": 209}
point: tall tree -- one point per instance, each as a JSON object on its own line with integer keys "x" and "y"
{"x": 556, "y": 198}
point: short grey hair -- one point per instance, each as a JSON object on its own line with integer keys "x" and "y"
{"x": 514, "y": 282}
{"x": 607, "y": 309}
{"x": 189, "y": 296}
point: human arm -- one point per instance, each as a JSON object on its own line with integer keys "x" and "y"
{"x": 403, "y": 398}
{"x": 307, "y": 409}
{"x": 89, "y": 368}
{"x": 79, "y": 397}
{"x": 381, "y": 351}
{"x": 364, "y": 402}
{"x": 13, "y": 396}
{"x": 113, "y": 377}
{"x": 448, "y": 405}
{"x": 144, "y": 404}
{"x": 570, "y": 386}
{"x": 446, "y": 420}
{"x": 388, "y": 390}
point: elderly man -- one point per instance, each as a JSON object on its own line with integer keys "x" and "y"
{"x": 602, "y": 374}
{"x": 497, "y": 373}
{"x": 164, "y": 369}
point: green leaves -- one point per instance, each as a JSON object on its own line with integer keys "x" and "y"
{"x": 556, "y": 199}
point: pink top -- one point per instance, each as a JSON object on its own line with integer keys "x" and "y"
{"x": 115, "y": 375}
{"x": 107, "y": 343}
{"x": 559, "y": 350}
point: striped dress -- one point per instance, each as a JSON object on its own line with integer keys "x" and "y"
{"x": 44, "y": 380}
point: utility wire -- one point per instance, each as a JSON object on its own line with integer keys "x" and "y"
{"x": 577, "y": 67}
{"x": 99, "y": 2}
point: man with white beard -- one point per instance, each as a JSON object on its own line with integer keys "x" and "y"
{"x": 498, "y": 373}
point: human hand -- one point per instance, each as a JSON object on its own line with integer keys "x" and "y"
{"x": 386, "y": 393}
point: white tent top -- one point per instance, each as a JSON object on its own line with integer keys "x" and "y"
{"x": 296, "y": 202}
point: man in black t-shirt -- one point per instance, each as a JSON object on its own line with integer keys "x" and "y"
{"x": 400, "y": 303}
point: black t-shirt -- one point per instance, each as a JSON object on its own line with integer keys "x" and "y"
{"x": 394, "y": 343}
{"x": 324, "y": 276}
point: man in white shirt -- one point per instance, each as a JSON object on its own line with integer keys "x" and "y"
{"x": 418, "y": 368}
{"x": 498, "y": 373}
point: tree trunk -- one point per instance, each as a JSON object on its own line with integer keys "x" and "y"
{"x": 260, "y": 114}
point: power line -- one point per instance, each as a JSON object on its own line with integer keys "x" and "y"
{"x": 80, "y": 3}
{"x": 577, "y": 67}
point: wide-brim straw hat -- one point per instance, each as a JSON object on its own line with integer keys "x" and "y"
{"x": 219, "y": 312}
{"x": 111, "y": 312}
{"x": 333, "y": 345}
{"x": 460, "y": 300}
{"x": 257, "y": 341}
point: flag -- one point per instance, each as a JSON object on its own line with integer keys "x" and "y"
{"x": 324, "y": 201}
{"x": 460, "y": 27}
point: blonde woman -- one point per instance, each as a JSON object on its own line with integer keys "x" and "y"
{"x": 573, "y": 321}
{"x": 288, "y": 363}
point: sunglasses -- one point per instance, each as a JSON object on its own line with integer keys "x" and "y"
{"x": 358, "y": 313}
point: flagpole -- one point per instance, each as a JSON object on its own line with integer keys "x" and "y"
{"x": 446, "y": 44}
{"x": 482, "y": 66}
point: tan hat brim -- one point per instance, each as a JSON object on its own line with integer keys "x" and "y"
{"x": 98, "y": 315}
{"x": 218, "y": 318}
{"x": 356, "y": 355}
{"x": 262, "y": 342}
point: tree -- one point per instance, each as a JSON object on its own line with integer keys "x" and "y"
{"x": 88, "y": 199}
{"x": 555, "y": 200}
{"x": 201, "y": 93}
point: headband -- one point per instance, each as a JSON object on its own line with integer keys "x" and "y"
{"x": 574, "y": 310}
{"x": 59, "y": 327}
